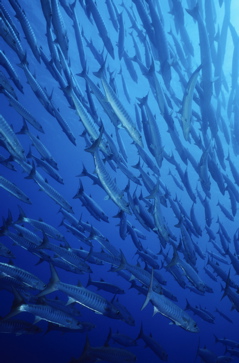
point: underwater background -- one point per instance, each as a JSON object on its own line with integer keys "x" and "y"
{"x": 156, "y": 151}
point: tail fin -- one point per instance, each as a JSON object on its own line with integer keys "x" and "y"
{"x": 148, "y": 297}
{"x": 21, "y": 216}
{"x": 89, "y": 282}
{"x": 227, "y": 285}
{"x": 141, "y": 332}
{"x": 96, "y": 143}
{"x": 80, "y": 191}
{"x": 188, "y": 306}
{"x": 52, "y": 285}
{"x": 24, "y": 129}
{"x": 17, "y": 302}
{"x": 123, "y": 263}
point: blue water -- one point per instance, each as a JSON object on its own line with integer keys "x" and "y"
{"x": 180, "y": 345}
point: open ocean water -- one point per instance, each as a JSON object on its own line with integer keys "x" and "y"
{"x": 119, "y": 124}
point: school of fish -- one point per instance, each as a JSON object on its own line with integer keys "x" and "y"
{"x": 122, "y": 90}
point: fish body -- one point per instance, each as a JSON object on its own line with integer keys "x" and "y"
{"x": 106, "y": 353}
{"x": 119, "y": 109}
{"x": 24, "y": 276}
{"x": 10, "y": 140}
{"x": 169, "y": 309}
{"x": 82, "y": 296}
{"x": 5, "y": 62}
{"x": 14, "y": 190}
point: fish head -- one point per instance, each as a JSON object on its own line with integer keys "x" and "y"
{"x": 202, "y": 287}
{"x": 188, "y": 323}
{"x": 113, "y": 312}
{"x": 192, "y": 326}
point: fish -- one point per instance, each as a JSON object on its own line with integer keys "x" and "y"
{"x": 119, "y": 109}
{"x": 189, "y": 271}
{"x": 135, "y": 103}
{"x": 187, "y": 103}
{"x": 95, "y": 210}
{"x": 109, "y": 354}
{"x": 40, "y": 225}
{"x": 18, "y": 327}
{"x": 106, "y": 181}
{"x": 42, "y": 312}
{"x": 10, "y": 140}
{"x": 26, "y": 278}
{"x": 14, "y": 190}
{"x": 122, "y": 339}
{"x": 172, "y": 311}
{"x": 153, "y": 345}
{"x": 203, "y": 314}
{"x": 82, "y": 296}
{"x": 103, "y": 285}
{"x": 26, "y": 26}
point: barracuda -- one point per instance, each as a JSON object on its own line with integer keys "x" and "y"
{"x": 82, "y": 296}
{"x": 23, "y": 111}
{"x": 187, "y": 103}
{"x": 172, "y": 311}
{"x": 11, "y": 71}
{"x": 24, "y": 276}
{"x": 189, "y": 271}
{"x": 26, "y": 26}
{"x": 108, "y": 184}
{"x": 14, "y": 190}
{"x": 119, "y": 109}
{"x": 87, "y": 121}
{"x": 10, "y": 140}
{"x": 139, "y": 273}
{"x": 40, "y": 225}
{"x": 10, "y": 37}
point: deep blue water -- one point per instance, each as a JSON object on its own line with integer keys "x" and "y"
{"x": 180, "y": 345}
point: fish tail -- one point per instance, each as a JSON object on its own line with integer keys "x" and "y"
{"x": 89, "y": 281}
{"x": 32, "y": 172}
{"x": 194, "y": 12}
{"x": 154, "y": 191}
{"x": 148, "y": 297}
{"x": 51, "y": 286}
{"x": 108, "y": 338}
{"x": 141, "y": 332}
{"x": 101, "y": 71}
{"x": 174, "y": 260}
{"x": 80, "y": 191}
{"x": 123, "y": 263}
{"x": 82, "y": 73}
{"x": 21, "y": 216}
{"x": 24, "y": 129}
{"x": 94, "y": 146}
{"x": 84, "y": 171}
{"x": 227, "y": 285}
{"x": 18, "y": 300}
{"x": 188, "y": 306}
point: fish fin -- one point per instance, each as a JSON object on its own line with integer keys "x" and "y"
{"x": 70, "y": 301}
{"x": 123, "y": 263}
{"x": 37, "y": 319}
{"x": 51, "y": 286}
{"x": 155, "y": 310}
{"x": 141, "y": 332}
{"x": 148, "y": 297}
